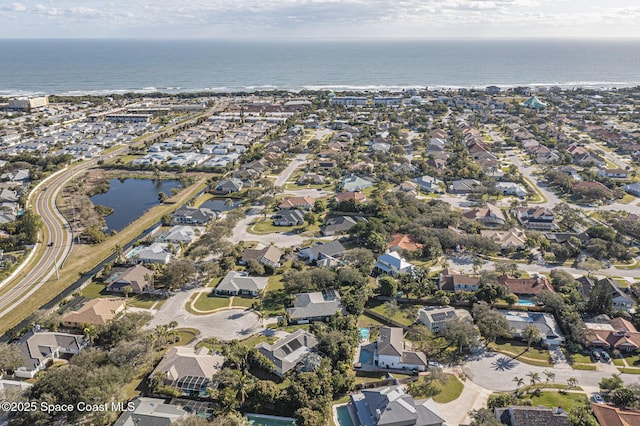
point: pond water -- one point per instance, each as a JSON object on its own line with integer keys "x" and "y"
{"x": 130, "y": 198}
{"x": 220, "y": 205}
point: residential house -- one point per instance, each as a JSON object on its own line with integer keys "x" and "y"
{"x": 150, "y": 411}
{"x": 633, "y": 189}
{"x": 227, "y": 186}
{"x": 289, "y": 351}
{"x": 182, "y": 234}
{"x": 190, "y": 371}
{"x": 428, "y": 183}
{"x": 269, "y": 255}
{"x": 548, "y": 157}
{"x": 546, "y": 324}
{"x": 137, "y": 277}
{"x": 350, "y": 196}
{"x": 514, "y": 238}
{"x": 617, "y": 333}
{"x": 155, "y": 253}
{"x": 391, "y": 263}
{"x": 490, "y": 215}
{"x": 354, "y": 183}
{"x": 404, "y": 242}
{"x": 302, "y": 203}
{"x": 437, "y": 317}
{"x": 311, "y": 178}
{"x": 390, "y": 352}
{"x": 318, "y": 251}
{"x": 192, "y": 216}
{"x": 289, "y": 218}
{"x": 619, "y": 174}
{"x": 526, "y": 287}
{"x": 93, "y": 312}
{"x": 608, "y": 415}
{"x": 392, "y": 406}
{"x": 464, "y": 186}
{"x": 316, "y": 306}
{"x": 407, "y": 187}
{"x": 571, "y": 171}
{"x": 450, "y": 280}
{"x": 531, "y": 416}
{"x": 588, "y": 159}
{"x": 237, "y": 283}
{"x": 339, "y": 224}
{"x": 511, "y": 188}
{"x": 535, "y": 218}
{"x": 621, "y": 300}
{"x": 40, "y": 348}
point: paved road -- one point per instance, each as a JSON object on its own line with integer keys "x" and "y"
{"x": 225, "y": 325}
{"x": 456, "y": 412}
{"x": 42, "y": 265}
{"x": 495, "y": 371}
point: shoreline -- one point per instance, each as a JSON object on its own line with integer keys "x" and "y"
{"x": 338, "y": 87}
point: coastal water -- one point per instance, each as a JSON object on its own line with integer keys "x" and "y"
{"x": 116, "y": 66}
{"x": 130, "y": 198}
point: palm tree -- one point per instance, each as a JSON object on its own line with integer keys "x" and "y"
{"x": 572, "y": 382}
{"x": 532, "y": 334}
{"x": 90, "y": 332}
{"x": 519, "y": 381}
{"x": 127, "y": 290}
{"x": 549, "y": 376}
{"x": 534, "y": 378}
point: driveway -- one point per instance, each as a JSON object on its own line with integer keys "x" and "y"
{"x": 224, "y": 325}
{"x": 495, "y": 372}
{"x": 240, "y": 233}
{"x": 456, "y": 412}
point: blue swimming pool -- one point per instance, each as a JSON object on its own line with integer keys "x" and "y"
{"x": 344, "y": 419}
{"x": 364, "y": 333}
{"x": 265, "y": 420}
{"x": 524, "y": 301}
{"x": 365, "y": 356}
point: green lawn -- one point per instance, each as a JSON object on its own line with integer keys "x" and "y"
{"x": 267, "y": 227}
{"x": 450, "y": 391}
{"x": 556, "y": 399}
{"x": 245, "y": 302}
{"x": 629, "y": 370}
{"x": 94, "y": 290}
{"x": 143, "y": 301}
{"x": 583, "y": 359}
{"x": 404, "y": 315}
{"x": 209, "y": 302}
{"x": 365, "y": 320}
{"x": 517, "y": 349}
{"x": 633, "y": 360}
{"x": 274, "y": 297}
{"x": 186, "y": 335}
{"x": 376, "y": 376}
{"x": 254, "y": 340}
{"x": 584, "y": 367}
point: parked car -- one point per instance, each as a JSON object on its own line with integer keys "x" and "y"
{"x": 605, "y": 356}
{"x": 597, "y": 398}
{"x": 595, "y": 356}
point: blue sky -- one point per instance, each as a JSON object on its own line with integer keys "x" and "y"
{"x": 319, "y": 18}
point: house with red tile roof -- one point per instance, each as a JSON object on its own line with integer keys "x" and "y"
{"x": 350, "y": 195}
{"x": 617, "y": 334}
{"x": 526, "y": 286}
{"x": 304, "y": 203}
{"x": 608, "y": 415}
{"x": 404, "y": 242}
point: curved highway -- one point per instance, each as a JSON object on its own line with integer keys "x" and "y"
{"x": 45, "y": 261}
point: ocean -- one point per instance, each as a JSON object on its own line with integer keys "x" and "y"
{"x": 118, "y": 66}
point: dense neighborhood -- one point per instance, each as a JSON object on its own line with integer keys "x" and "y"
{"x": 426, "y": 257}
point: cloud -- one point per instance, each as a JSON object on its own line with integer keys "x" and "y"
{"x": 175, "y": 18}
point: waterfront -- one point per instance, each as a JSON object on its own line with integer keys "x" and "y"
{"x": 130, "y": 198}
{"x": 114, "y": 66}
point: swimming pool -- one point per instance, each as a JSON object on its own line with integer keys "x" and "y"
{"x": 344, "y": 418}
{"x": 265, "y": 420}
{"x": 365, "y": 356}
{"x": 524, "y": 301}
{"x": 364, "y": 333}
